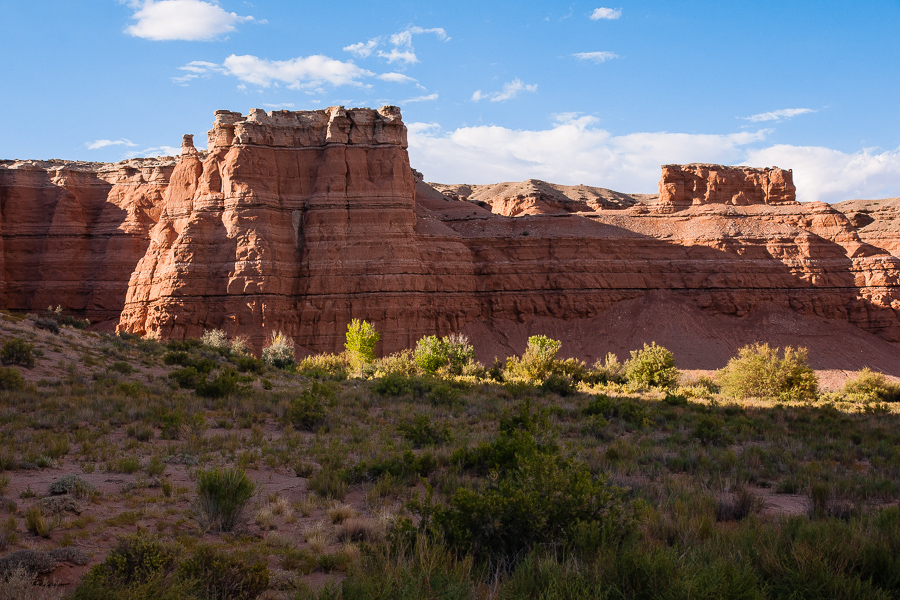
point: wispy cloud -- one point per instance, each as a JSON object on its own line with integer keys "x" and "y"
{"x": 510, "y": 90}
{"x": 189, "y": 20}
{"x": 778, "y": 115}
{"x": 155, "y": 151}
{"x": 97, "y": 144}
{"x": 396, "y": 78}
{"x": 304, "y": 72}
{"x": 596, "y": 57}
{"x": 609, "y": 14}
{"x": 427, "y": 98}
{"x": 280, "y": 105}
{"x": 399, "y": 46}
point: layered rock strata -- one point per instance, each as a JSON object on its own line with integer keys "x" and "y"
{"x": 301, "y": 221}
{"x": 682, "y": 186}
{"x": 72, "y": 232}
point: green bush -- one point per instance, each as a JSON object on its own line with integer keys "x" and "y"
{"x": 541, "y": 499}
{"x": 11, "y": 379}
{"x": 451, "y": 354}
{"x": 221, "y": 575}
{"x": 873, "y": 387}
{"x": 17, "y": 352}
{"x": 223, "y": 496}
{"x": 279, "y": 352}
{"x": 629, "y": 410}
{"x": 421, "y": 432}
{"x": 308, "y": 410}
{"x": 324, "y": 366}
{"x": 360, "y": 343}
{"x": 759, "y": 371}
{"x": 539, "y": 359}
{"x": 139, "y": 557}
{"x": 651, "y": 365}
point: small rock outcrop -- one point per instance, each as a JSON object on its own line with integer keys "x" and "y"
{"x": 682, "y": 186}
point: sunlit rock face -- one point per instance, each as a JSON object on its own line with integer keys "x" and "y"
{"x": 301, "y": 221}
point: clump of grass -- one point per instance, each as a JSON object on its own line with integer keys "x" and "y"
{"x": 223, "y": 497}
{"x": 340, "y": 512}
{"x": 40, "y": 523}
{"x": 760, "y": 371}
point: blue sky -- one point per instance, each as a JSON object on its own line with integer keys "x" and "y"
{"x": 569, "y": 92}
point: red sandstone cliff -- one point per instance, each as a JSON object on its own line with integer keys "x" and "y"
{"x": 300, "y": 221}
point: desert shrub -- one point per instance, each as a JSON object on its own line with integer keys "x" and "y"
{"x": 651, "y": 365}
{"x": 610, "y": 369}
{"x": 240, "y": 345}
{"x": 536, "y": 499}
{"x": 221, "y": 575}
{"x": 451, "y": 354}
{"x": 738, "y": 505}
{"x": 225, "y": 383}
{"x": 406, "y": 467}
{"x": 223, "y": 496}
{"x": 308, "y": 410}
{"x": 47, "y": 324}
{"x": 324, "y": 366}
{"x": 56, "y": 314}
{"x": 138, "y": 557}
{"x": 72, "y": 484}
{"x": 872, "y": 386}
{"x": 422, "y": 432}
{"x": 17, "y": 352}
{"x": 538, "y": 361}
{"x": 629, "y": 410}
{"x": 559, "y": 383}
{"x": 399, "y": 363}
{"x": 710, "y": 429}
{"x": 279, "y": 352}
{"x": 760, "y": 371}
{"x": 120, "y": 366}
{"x": 248, "y": 364}
{"x": 360, "y": 343}
{"x": 214, "y": 338}
{"x": 11, "y": 379}
{"x": 329, "y": 483}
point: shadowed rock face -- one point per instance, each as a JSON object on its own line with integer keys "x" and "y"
{"x": 301, "y": 221}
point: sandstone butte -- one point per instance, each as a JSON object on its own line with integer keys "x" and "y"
{"x": 301, "y": 221}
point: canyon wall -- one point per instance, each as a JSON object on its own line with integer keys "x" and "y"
{"x": 301, "y": 221}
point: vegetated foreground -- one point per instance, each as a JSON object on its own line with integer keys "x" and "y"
{"x": 130, "y": 468}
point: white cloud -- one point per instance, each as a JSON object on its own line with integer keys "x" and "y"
{"x": 362, "y": 49}
{"x": 597, "y": 57}
{"x": 396, "y": 78}
{"x": 304, "y": 72}
{"x": 407, "y": 56}
{"x": 831, "y": 175}
{"x": 778, "y": 115}
{"x": 190, "y": 20}
{"x": 610, "y": 14}
{"x": 576, "y": 150}
{"x": 510, "y": 90}
{"x": 427, "y": 98}
{"x": 280, "y": 105}
{"x": 401, "y": 42}
{"x": 155, "y": 151}
{"x": 97, "y": 144}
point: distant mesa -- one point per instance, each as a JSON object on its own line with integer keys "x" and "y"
{"x": 299, "y": 221}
